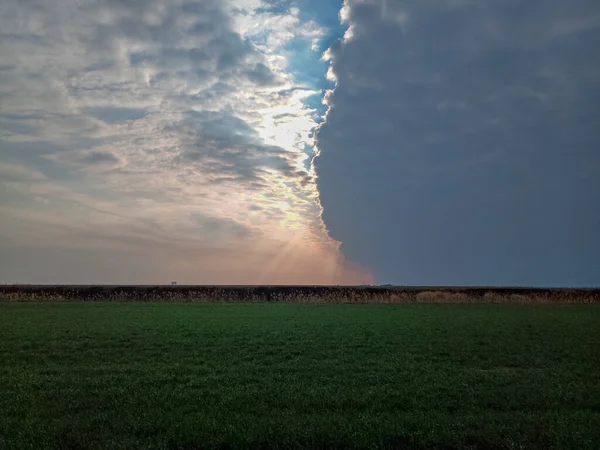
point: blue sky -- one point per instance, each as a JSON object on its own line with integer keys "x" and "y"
{"x": 300, "y": 142}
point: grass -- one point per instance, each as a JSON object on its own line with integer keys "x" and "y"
{"x": 413, "y": 376}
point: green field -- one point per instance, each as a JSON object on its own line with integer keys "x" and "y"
{"x": 150, "y": 375}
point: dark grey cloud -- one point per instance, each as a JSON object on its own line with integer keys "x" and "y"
{"x": 41, "y": 156}
{"x": 212, "y": 93}
{"x": 216, "y": 50}
{"x": 461, "y": 145}
{"x": 97, "y": 157}
{"x": 262, "y": 75}
{"x": 229, "y": 149}
{"x": 111, "y": 114}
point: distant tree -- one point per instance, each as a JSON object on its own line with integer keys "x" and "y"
{"x": 173, "y": 283}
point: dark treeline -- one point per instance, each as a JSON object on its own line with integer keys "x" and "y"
{"x": 325, "y": 294}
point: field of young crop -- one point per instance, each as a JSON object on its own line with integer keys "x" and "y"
{"x": 131, "y": 375}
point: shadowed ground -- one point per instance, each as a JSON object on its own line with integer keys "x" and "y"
{"x": 172, "y": 375}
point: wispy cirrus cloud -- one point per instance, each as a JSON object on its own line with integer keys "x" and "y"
{"x": 169, "y": 137}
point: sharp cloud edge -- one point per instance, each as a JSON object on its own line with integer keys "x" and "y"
{"x": 156, "y": 141}
{"x": 364, "y": 275}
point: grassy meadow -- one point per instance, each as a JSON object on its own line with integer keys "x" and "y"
{"x": 273, "y": 376}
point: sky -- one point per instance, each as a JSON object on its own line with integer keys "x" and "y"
{"x": 452, "y": 142}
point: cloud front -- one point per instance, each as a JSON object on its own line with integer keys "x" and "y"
{"x": 461, "y": 141}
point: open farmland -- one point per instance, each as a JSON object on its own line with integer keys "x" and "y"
{"x": 413, "y": 376}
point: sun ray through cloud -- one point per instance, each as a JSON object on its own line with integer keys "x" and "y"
{"x": 189, "y": 117}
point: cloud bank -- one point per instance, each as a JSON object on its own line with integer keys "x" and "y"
{"x": 461, "y": 143}
{"x": 144, "y": 142}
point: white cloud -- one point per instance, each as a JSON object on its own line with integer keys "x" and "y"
{"x": 166, "y": 129}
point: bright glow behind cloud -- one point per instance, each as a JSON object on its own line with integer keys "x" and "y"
{"x": 158, "y": 140}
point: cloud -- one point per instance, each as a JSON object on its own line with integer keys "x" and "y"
{"x": 96, "y": 157}
{"x": 214, "y": 228}
{"x": 15, "y": 173}
{"x": 262, "y": 75}
{"x": 115, "y": 114}
{"x": 460, "y": 143}
{"x": 226, "y": 147}
{"x": 150, "y": 130}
